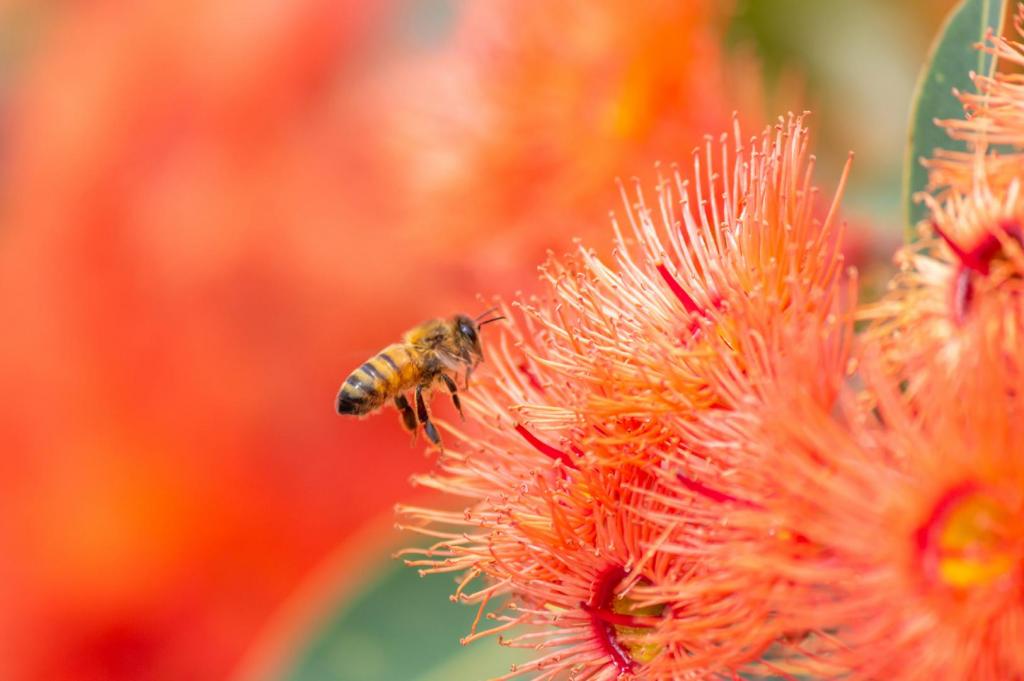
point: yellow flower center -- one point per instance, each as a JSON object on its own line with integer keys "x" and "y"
{"x": 971, "y": 539}
{"x": 973, "y": 546}
{"x": 641, "y": 651}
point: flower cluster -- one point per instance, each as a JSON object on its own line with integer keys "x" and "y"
{"x": 683, "y": 464}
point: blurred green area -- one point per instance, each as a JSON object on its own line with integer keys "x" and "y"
{"x": 399, "y": 626}
{"x": 855, "y": 63}
{"x": 950, "y": 66}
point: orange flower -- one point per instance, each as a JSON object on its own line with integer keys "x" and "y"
{"x": 919, "y": 501}
{"x": 919, "y": 515}
{"x": 967, "y": 274}
{"x": 571, "y": 556}
{"x": 591, "y": 564}
{"x": 618, "y": 416}
{"x": 660, "y": 348}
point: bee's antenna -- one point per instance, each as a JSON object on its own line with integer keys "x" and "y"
{"x": 488, "y": 321}
{"x": 485, "y": 313}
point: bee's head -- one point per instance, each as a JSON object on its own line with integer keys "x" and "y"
{"x": 467, "y": 334}
{"x": 467, "y": 337}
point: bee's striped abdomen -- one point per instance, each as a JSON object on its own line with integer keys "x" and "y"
{"x": 358, "y": 395}
{"x": 398, "y": 364}
{"x": 382, "y": 377}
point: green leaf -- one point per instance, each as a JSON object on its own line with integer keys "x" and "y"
{"x": 950, "y": 61}
{"x": 397, "y": 625}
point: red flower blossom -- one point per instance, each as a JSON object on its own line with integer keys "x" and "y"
{"x": 575, "y": 563}
{"x": 918, "y": 511}
{"x": 965, "y": 273}
{"x": 662, "y": 347}
{"x": 618, "y": 412}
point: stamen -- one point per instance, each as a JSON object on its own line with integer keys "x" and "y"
{"x": 545, "y": 448}
{"x": 960, "y": 253}
{"x": 713, "y": 494}
{"x": 524, "y": 367}
{"x": 684, "y": 297}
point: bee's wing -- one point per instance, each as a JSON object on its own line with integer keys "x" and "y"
{"x": 451, "y": 361}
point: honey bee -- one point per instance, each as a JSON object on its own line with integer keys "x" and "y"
{"x": 427, "y": 353}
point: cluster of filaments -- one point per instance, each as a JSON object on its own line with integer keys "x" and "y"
{"x": 682, "y": 464}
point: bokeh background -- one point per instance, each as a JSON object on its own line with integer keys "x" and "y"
{"x": 212, "y": 210}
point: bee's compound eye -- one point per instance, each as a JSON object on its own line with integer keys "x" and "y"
{"x": 468, "y": 331}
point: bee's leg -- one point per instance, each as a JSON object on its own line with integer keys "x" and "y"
{"x": 421, "y": 411}
{"x": 454, "y": 390}
{"x": 468, "y": 361}
{"x": 408, "y": 417}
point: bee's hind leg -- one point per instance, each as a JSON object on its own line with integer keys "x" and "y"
{"x": 421, "y": 411}
{"x": 408, "y": 417}
{"x": 454, "y": 390}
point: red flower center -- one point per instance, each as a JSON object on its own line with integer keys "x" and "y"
{"x": 612, "y": 616}
{"x": 976, "y": 261}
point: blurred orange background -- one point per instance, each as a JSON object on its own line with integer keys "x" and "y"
{"x": 213, "y": 211}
